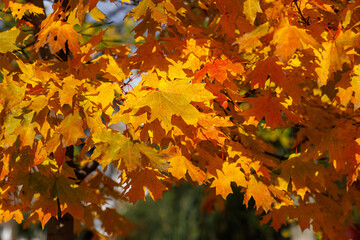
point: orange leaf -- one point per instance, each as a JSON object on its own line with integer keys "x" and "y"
{"x": 264, "y": 69}
{"x": 219, "y": 70}
{"x": 71, "y": 129}
{"x": 260, "y": 192}
{"x": 270, "y": 108}
{"x": 288, "y": 39}
{"x": 145, "y": 178}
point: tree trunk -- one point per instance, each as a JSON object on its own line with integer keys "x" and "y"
{"x": 61, "y": 229}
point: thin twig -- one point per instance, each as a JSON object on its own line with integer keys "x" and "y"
{"x": 59, "y": 208}
{"x": 304, "y": 19}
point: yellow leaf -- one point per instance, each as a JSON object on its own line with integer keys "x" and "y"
{"x": 251, "y": 8}
{"x": 26, "y": 130}
{"x": 229, "y": 173}
{"x": 69, "y": 89}
{"x": 166, "y": 99}
{"x": 355, "y": 83}
{"x": 114, "y": 147}
{"x": 11, "y": 92}
{"x": 345, "y": 95}
{"x": 108, "y": 146}
{"x": 28, "y": 73}
{"x": 348, "y": 39}
{"x": 179, "y": 165}
{"x": 103, "y": 96}
{"x": 141, "y": 9}
{"x": 8, "y": 39}
{"x": 331, "y": 59}
{"x": 113, "y": 71}
{"x": 97, "y": 14}
{"x": 176, "y": 70}
{"x": 19, "y": 10}
{"x": 347, "y": 19}
{"x": 38, "y": 103}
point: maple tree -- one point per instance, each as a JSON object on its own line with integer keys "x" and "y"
{"x": 212, "y": 73}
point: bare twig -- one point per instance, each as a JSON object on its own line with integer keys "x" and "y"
{"x": 303, "y": 18}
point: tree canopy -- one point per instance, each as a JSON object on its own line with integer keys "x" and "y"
{"x": 213, "y": 74}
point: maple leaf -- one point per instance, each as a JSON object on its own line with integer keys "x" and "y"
{"x": 30, "y": 73}
{"x": 278, "y": 216}
{"x": 8, "y": 40}
{"x": 331, "y": 59}
{"x": 140, "y": 10}
{"x": 113, "y": 71}
{"x": 229, "y": 173}
{"x": 166, "y": 99}
{"x": 7, "y": 215}
{"x": 211, "y": 129}
{"x": 260, "y": 192}
{"x": 293, "y": 169}
{"x": 179, "y": 166}
{"x": 264, "y": 69}
{"x": 268, "y": 107}
{"x": 97, "y": 14}
{"x": 175, "y": 71}
{"x": 145, "y": 178}
{"x": 342, "y": 148}
{"x": 19, "y": 10}
{"x": 68, "y": 90}
{"x": 113, "y": 222}
{"x": 115, "y": 147}
{"x": 45, "y": 209}
{"x": 218, "y": 70}
{"x": 288, "y": 39}
{"x": 58, "y": 35}
{"x": 193, "y": 53}
{"x": 334, "y": 56}
{"x": 71, "y": 129}
{"x": 26, "y": 130}
{"x": 72, "y": 196}
{"x": 250, "y": 41}
{"x": 251, "y": 8}
{"x": 103, "y": 95}
{"x": 352, "y": 92}
{"x": 11, "y": 92}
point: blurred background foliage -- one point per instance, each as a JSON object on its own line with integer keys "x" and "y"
{"x": 281, "y": 138}
{"x": 181, "y": 215}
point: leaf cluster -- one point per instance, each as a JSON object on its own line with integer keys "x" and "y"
{"x": 212, "y": 73}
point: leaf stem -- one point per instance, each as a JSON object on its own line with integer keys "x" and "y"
{"x": 222, "y": 7}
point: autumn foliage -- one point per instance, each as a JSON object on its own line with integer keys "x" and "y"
{"x": 212, "y": 73}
